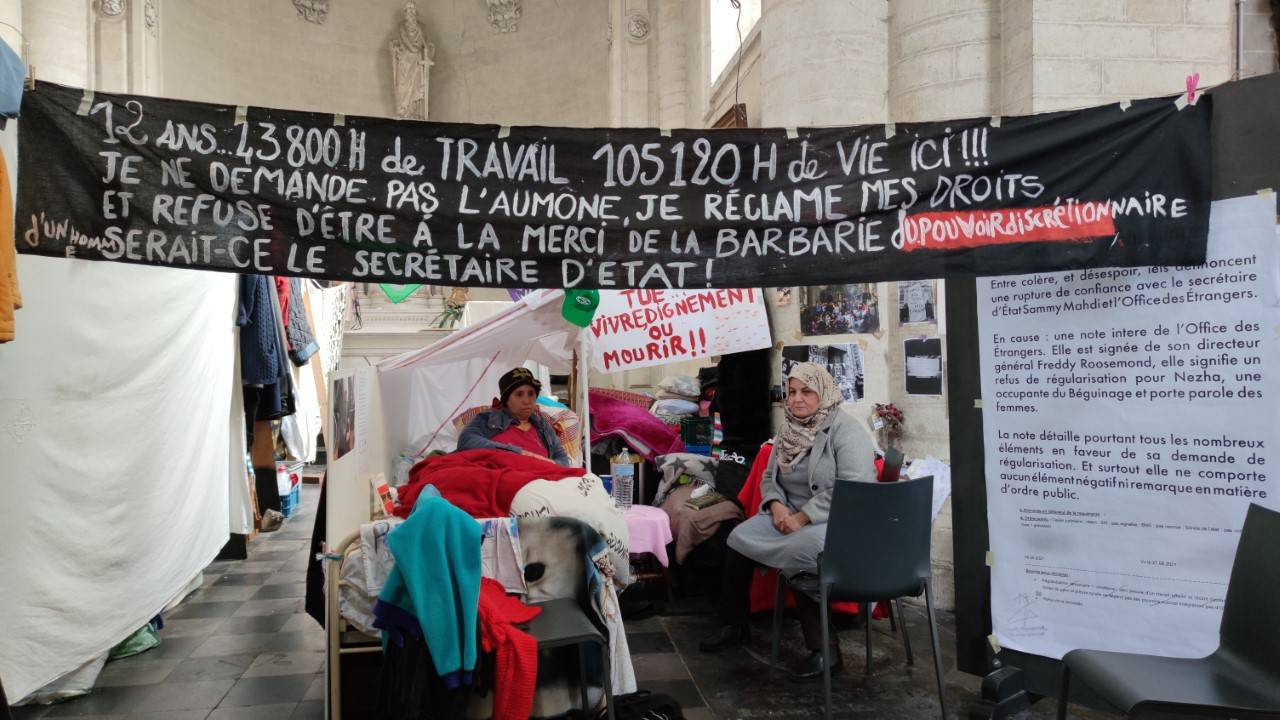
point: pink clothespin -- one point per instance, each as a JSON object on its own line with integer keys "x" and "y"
{"x": 1193, "y": 82}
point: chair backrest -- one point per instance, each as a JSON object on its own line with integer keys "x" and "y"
{"x": 892, "y": 465}
{"x": 1250, "y": 624}
{"x": 878, "y": 537}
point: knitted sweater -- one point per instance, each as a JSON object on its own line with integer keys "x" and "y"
{"x": 434, "y": 589}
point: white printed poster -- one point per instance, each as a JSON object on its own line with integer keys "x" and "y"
{"x": 1130, "y": 417}
{"x": 843, "y": 361}
{"x": 923, "y": 364}
{"x": 916, "y": 301}
{"x": 640, "y": 328}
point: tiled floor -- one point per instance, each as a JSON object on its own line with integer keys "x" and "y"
{"x": 660, "y": 669}
{"x": 241, "y": 647}
{"x": 238, "y": 648}
{"x": 736, "y": 684}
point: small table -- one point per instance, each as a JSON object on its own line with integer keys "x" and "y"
{"x": 649, "y": 529}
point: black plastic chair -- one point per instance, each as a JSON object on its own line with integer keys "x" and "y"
{"x": 1241, "y": 679}
{"x": 877, "y": 548}
{"x": 891, "y": 470}
{"x": 563, "y": 623}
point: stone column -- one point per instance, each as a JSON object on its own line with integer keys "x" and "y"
{"x": 631, "y": 37}
{"x": 944, "y": 59}
{"x": 108, "y": 45}
{"x": 126, "y": 46}
{"x": 674, "y": 19}
{"x": 823, "y": 62}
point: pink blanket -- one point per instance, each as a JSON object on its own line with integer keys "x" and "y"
{"x": 644, "y": 433}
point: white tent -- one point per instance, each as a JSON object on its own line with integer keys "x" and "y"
{"x": 409, "y": 402}
{"x": 424, "y": 390}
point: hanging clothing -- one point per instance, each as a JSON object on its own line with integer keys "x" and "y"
{"x": 10, "y": 296}
{"x": 13, "y": 75}
{"x": 261, "y": 357}
{"x": 515, "y": 662}
{"x": 297, "y": 331}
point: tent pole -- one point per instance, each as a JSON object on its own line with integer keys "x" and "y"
{"x": 583, "y": 353}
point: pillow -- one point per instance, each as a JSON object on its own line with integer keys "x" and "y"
{"x": 682, "y": 385}
{"x": 674, "y": 406}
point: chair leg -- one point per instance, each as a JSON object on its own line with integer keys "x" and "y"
{"x": 582, "y": 678}
{"x": 1064, "y": 691}
{"x": 779, "y": 596}
{"x": 937, "y": 649}
{"x": 906, "y": 637}
{"x": 824, "y": 613}
{"x": 893, "y": 620}
{"x": 608, "y": 680}
{"x": 865, "y": 611}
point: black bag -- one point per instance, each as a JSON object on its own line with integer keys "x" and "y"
{"x": 736, "y": 457}
{"x": 644, "y": 705}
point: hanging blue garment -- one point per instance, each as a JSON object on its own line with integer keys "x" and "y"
{"x": 13, "y": 74}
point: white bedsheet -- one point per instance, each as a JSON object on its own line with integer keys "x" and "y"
{"x": 115, "y": 407}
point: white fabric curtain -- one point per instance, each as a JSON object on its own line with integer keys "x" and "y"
{"x": 115, "y": 427}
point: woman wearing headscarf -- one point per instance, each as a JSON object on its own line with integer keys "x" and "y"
{"x": 817, "y": 446}
{"x": 514, "y": 424}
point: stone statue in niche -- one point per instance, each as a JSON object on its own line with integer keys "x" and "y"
{"x": 111, "y": 8}
{"x": 411, "y": 60}
{"x": 312, "y": 10}
{"x": 504, "y": 15}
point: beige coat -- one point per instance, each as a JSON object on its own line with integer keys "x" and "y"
{"x": 842, "y": 451}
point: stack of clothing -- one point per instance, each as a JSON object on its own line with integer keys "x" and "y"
{"x": 433, "y": 608}
{"x": 496, "y": 483}
{"x": 688, "y": 496}
{"x": 678, "y": 398}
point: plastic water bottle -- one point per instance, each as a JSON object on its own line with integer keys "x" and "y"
{"x": 624, "y": 472}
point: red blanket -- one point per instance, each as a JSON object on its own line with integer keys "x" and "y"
{"x": 480, "y": 482}
{"x": 764, "y": 585}
{"x": 515, "y": 653}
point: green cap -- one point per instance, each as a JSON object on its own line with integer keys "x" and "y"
{"x": 580, "y": 306}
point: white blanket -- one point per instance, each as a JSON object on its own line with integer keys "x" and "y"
{"x": 582, "y": 499}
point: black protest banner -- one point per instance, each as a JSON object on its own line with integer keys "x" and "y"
{"x": 195, "y": 185}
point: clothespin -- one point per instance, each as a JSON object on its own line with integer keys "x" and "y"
{"x": 1193, "y": 83}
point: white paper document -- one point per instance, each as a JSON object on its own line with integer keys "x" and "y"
{"x": 1130, "y": 416}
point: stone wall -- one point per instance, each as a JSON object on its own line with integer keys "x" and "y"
{"x": 1259, "y": 39}
{"x": 1087, "y": 52}
{"x": 58, "y": 34}
{"x": 259, "y": 53}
